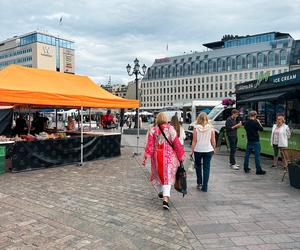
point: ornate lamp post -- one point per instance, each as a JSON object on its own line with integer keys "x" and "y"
{"x": 136, "y": 71}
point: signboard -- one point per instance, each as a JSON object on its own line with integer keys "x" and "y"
{"x": 46, "y": 51}
{"x": 284, "y": 79}
{"x": 68, "y": 58}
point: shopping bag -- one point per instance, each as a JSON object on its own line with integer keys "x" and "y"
{"x": 180, "y": 182}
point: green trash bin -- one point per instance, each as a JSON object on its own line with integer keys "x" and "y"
{"x": 2, "y": 159}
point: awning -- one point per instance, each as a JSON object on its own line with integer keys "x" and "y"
{"x": 29, "y": 86}
{"x": 264, "y": 97}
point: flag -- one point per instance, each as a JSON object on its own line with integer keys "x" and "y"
{"x": 60, "y": 20}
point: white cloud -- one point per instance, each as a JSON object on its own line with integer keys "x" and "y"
{"x": 110, "y": 34}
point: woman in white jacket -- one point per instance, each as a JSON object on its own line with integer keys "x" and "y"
{"x": 279, "y": 140}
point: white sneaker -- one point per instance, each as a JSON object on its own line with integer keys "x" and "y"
{"x": 235, "y": 167}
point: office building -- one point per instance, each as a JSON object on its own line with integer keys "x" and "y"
{"x": 213, "y": 74}
{"x": 38, "y": 50}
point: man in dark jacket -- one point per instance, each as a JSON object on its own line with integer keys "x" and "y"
{"x": 232, "y": 126}
{"x": 252, "y": 126}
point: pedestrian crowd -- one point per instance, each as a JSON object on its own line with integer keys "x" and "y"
{"x": 165, "y": 148}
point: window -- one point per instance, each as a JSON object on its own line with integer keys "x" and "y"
{"x": 210, "y": 66}
{"x": 246, "y": 76}
{"x": 260, "y": 60}
{"x": 211, "y": 87}
{"x": 249, "y": 61}
{"x": 225, "y": 85}
{"x": 216, "y": 86}
{"x": 251, "y": 75}
{"x": 211, "y": 95}
{"x": 219, "y": 62}
{"x": 216, "y": 94}
{"x": 216, "y": 78}
{"x": 211, "y": 78}
{"x": 283, "y": 57}
{"x": 207, "y": 79}
{"x": 271, "y": 58}
{"x": 229, "y": 62}
{"x": 221, "y": 86}
{"x": 239, "y": 63}
{"x": 225, "y": 78}
{"x": 241, "y": 76}
{"x": 221, "y": 78}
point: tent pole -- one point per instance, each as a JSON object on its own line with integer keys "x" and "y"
{"x": 56, "y": 119}
{"x": 29, "y": 122}
{"x": 81, "y": 141}
{"x": 138, "y": 132}
{"x": 90, "y": 118}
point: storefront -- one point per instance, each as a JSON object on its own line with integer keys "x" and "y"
{"x": 271, "y": 96}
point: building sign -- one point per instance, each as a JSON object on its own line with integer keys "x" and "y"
{"x": 46, "y": 51}
{"x": 286, "y": 78}
{"x": 162, "y": 60}
{"x": 68, "y": 60}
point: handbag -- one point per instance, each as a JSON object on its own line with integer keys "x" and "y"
{"x": 180, "y": 181}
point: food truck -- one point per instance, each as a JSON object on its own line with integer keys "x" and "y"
{"x": 271, "y": 96}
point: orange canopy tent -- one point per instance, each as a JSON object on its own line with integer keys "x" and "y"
{"x": 28, "y": 86}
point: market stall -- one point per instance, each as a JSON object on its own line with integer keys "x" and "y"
{"x": 35, "y": 88}
{"x": 270, "y": 96}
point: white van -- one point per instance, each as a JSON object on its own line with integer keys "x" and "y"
{"x": 217, "y": 116}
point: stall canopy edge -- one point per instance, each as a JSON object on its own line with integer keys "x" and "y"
{"x": 23, "y": 86}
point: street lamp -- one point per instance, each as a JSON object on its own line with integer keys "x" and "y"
{"x": 136, "y": 71}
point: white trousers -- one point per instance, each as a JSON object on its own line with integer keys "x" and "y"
{"x": 165, "y": 189}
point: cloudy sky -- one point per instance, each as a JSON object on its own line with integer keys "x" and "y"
{"x": 110, "y": 34}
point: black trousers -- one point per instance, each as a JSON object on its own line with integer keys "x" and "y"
{"x": 232, "y": 144}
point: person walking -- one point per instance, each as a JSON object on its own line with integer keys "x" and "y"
{"x": 166, "y": 153}
{"x": 179, "y": 129}
{"x": 231, "y": 131}
{"x": 252, "y": 126}
{"x": 279, "y": 140}
{"x": 203, "y": 147}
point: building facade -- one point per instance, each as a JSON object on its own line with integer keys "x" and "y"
{"x": 38, "y": 50}
{"x": 213, "y": 74}
{"x": 118, "y": 90}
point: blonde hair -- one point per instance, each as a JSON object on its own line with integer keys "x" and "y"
{"x": 281, "y": 117}
{"x": 161, "y": 118}
{"x": 202, "y": 119}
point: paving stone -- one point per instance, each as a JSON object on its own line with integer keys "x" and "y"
{"x": 246, "y": 240}
{"x": 276, "y": 238}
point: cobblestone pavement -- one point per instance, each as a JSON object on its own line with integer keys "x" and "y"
{"x": 110, "y": 204}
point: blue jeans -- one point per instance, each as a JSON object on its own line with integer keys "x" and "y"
{"x": 255, "y": 146}
{"x": 202, "y": 159}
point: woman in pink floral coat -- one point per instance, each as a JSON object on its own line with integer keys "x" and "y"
{"x": 164, "y": 159}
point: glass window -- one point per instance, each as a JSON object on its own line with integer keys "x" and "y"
{"x": 229, "y": 64}
{"x": 239, "y": 63}
{"x": 271, "y": 58}
{"x": 283, "y": 57}
{"x": 249, "y": 61}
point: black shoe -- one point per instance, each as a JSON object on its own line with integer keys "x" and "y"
{"x": 273, "y": 166}
{"x": 247, "y": 170}
{"x": 199, "y": 186}
{"x": 166, "y": 205}
{"x": 160, "y": 195}
{"x": 203, "y": 190}
{"x": 261, "y": 172}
